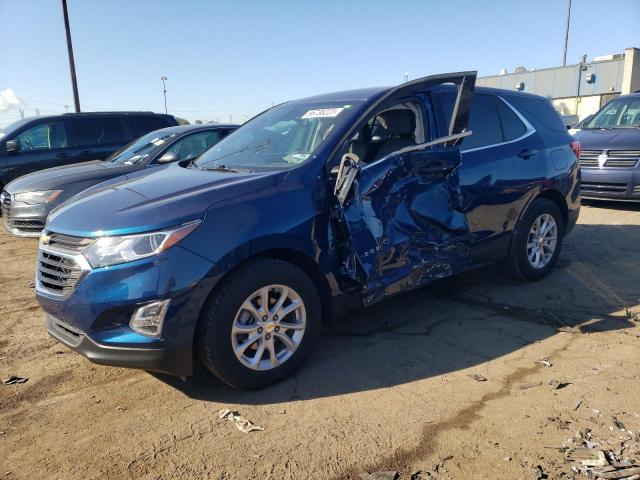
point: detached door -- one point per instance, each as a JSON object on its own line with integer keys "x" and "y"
{"x": 401, "y": 214}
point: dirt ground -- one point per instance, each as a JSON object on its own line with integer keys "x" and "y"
{"x": 387, "y": 389}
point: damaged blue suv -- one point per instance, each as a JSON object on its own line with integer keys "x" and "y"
{"x": 311, "y": 208}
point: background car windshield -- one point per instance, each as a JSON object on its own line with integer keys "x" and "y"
{"x": 141, "y": 148}
{"x": 621, "y": 113}
{"x": 12, "y": 127}
{"x": 282, "y": 137}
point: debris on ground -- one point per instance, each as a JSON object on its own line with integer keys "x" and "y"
{"x": 538, "y": 473}
{"x": 632, "y": 315}
{"x": 557, "y": 385}
{"x": 589, "y": 457}
{"x": 544, "y": 361}
{"x": 576, "y": 405}
{"x": 390, "y": 475}
{"x": 525, "y": 386}
{"x": 618, "y": 424}
{"x": 14, "y": 380}
{"x": 477, "y": 377}
{"x": 244, "y": 425}
{"x": 31, "y": 284}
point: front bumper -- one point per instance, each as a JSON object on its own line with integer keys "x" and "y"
{"x": 176, "y": 360}
{"x": 22, "y": 219}
{"x": 93, "y": 318}
{"x": 611, "y": 184}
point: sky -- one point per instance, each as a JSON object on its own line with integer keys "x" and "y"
{"x": 227, "y": 61}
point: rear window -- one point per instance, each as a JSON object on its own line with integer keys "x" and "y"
{"x": 512, "y": 126}
{"x": 540, "y": 109}
{"x": 484, "y": 122}
{"x": 90, "y": 131}
{"x": 145, "y": 124}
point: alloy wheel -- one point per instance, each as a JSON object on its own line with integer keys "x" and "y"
{"x": 542, "y": 241}
{"x": 268, "y": 327}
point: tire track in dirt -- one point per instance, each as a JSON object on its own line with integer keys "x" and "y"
{"x": 428, "y": 444}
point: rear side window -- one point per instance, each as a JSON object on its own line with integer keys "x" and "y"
{"x": 145, "y": 124}
{"x": 512, "y": 126}
{"x": 540, "y": 109}
{"x": 484, "y": 122}
{"x": 97, "y": 131}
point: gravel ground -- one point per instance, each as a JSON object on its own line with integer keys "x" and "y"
{"x": 390, "y": 388}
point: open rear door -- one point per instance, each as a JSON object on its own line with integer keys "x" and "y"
{"x": 401, "y": 215}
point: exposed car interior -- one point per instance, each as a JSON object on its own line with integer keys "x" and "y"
{"x": 388, "y": 131}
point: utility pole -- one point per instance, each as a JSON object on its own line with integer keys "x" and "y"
{"x": 566, "y": 36}
{"x": 164, "y": 91}
{"x": 72, "y": 65}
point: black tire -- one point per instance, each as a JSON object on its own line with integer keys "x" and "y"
{"x": 214, "y": 332}
{"x": 518, "y": 262}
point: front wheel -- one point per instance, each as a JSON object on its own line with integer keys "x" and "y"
{"x": 537, "y": 242}
{"x": 259, "y": 324}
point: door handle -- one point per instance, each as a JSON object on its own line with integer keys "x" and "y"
{"x": 526, "y": 153}
{"x": 85, "y": 152}
{"x": 63, "y": 155}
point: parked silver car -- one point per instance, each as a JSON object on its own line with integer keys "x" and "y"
{"x": 27, "y": 201}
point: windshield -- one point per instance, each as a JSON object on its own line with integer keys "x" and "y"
{"x": 140, "y": 149}
{"x": 280, "y": 138}
{"x": 619, "y": 113}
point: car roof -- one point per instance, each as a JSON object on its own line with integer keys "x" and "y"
{"x": 348, "y": 95}
{"x": 197, "y": 127}
{"x": 365, "y": 94}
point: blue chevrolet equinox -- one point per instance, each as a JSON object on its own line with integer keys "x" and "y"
{"x": 313, "y": 207}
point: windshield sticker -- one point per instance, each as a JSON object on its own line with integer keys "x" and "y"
{"x": 323, "y": 112}
{"x": 296, "y": 157}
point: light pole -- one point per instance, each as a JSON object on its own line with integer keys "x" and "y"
{"x": 566, "y": 36}
{"x": 72, "y": 65}
{"x": 164, "y": 91}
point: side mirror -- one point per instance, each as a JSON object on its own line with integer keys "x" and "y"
{"x": 12, "y": 146}
{"x": 169, "y": 157}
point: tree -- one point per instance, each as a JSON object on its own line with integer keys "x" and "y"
{"x": 182, "y": 121}
{"x": 198, "y": 122}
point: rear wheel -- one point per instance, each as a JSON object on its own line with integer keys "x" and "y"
{"x": 259, "y": 324}
{"x": 537, "y": 242}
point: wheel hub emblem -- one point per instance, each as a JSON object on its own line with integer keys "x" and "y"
{"x": 269, "y": 327}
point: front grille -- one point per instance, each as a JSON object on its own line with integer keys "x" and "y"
{"x": 5, "y": 205}
{"x": 623, "y": 158}
{"x": 589, "y": 158}
{"x": 57, "y": 274}
{"x": 603, "y": 187}
{"x": 68, "y": 243}
{"x": 615, "y": 158}
{"x": 28, "y": 226}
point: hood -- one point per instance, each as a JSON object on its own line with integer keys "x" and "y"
{"x": 613, "y": 139}
{"x": 169, "y": 196}
{"x": 58, "y": 178}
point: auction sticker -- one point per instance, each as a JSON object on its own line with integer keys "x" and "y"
{"x": 323, "y": 112}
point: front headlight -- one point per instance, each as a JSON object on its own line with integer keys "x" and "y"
{"x": 36, "y": 198}
{"x": 107, "y": 251}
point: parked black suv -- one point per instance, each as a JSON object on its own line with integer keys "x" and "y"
{"x": 42, "y": 142}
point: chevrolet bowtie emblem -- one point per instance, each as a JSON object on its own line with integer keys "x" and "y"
{"x": 44, "y": 239}
{"x": 602, "y": 159}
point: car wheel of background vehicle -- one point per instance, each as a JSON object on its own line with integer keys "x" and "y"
{"x": 537, "y": 241}
{"x": 248, "y": 346}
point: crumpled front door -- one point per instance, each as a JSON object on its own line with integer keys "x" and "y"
{"x": 401, "y": 215}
